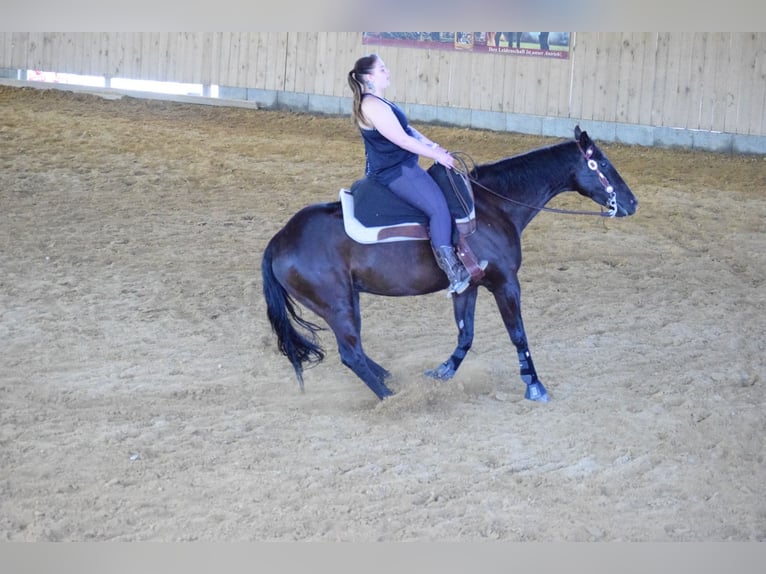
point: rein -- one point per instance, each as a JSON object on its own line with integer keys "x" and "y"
{"x": 592, "y": 165}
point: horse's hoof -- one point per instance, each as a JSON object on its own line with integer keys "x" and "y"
{"x": 443, "y": 372}
{"x": 536, "y": 392}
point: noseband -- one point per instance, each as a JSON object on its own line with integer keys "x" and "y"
{"x": 611, "y": 201}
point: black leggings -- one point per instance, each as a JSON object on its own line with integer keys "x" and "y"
{"x": 420, "y": 190}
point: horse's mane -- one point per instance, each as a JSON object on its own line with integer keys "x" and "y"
{"x": 515, "y": 171}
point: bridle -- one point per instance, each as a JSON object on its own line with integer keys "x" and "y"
{"x": 593, "y": 166}
{"x": 463, "y": 159}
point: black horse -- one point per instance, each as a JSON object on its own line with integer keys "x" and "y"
{"x": 312, "y": 261}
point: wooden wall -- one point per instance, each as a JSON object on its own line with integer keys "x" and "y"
{"x": 705, "y": 80}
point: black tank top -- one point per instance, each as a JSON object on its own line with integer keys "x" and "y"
{"x": 385, "y": 158}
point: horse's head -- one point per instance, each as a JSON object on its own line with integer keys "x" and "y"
{"x": 598, "y": 179}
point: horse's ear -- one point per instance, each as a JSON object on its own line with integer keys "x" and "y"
{"x": 582, "y": 137}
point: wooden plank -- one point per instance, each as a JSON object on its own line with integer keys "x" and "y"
{"x": 633, "y": 52}
{"x": 673, "y": 83}
{"x": 279, "y": 55}
{"x": 209, "y": 47}
{"x": 425, "y": 85}
{"x": 173, "y": 57}
{"x": 260, "y": 58}
{"x": 291, "y": 64}
{"x": 252, "y": 58}
{"x": 540, "y": 91}
{"x": 5, "y": 49}
{"x": 134, "y": 42}
{"x": 52, "y": 50}
{"x": 661, "y": 81}
{"x": 306, "y": 62}
{"x": 720, "y": 89}
{"x": 83, "y": 45}
{"x": 243, "y": 59}
{"x": 201, "y": 74}
{"x": 50, "y": 55}
{"x": 85, "y": 41}
{"x": 622, "y": 73}
{"x": 509, "y": 72}
{"x": 317, "y": 77}
{"x": 148, "y": 40}
{"x": 586, "y": 50}
{"x": 101, "y": 52}
{"x": 137, "y": 53}
{"x": 70, "y": 53}
{"x": 220, "y": 58}
{"x": 525, "y": 95}
{"x": 125, "y": 51}
{"x": 732, "y": 75}
{"x": 747, "y": 94}
{"x": 460, "y": 88}
{"x": 114, "y": 61}
{"x": 706, "y": 81}
{"x": 694, "y": 50}
{"x": 601, "y": 80}
{"x": 519, "y": 91}
{"x": 157, "y": 56}
{"x": 757, "y": 111}
{"x": 231, "y": 60}
{"x": 188, "y": 57}
{"x": 579, "y": 58}
{"x": 324, "y": 68}
{"x": 6, "y": 43}
{"x": 444, "y": 74}
{"x": 559, "y": 77}
{"x": 352, "y": 49}
{"x": 646, "y": 70}
{"x": 611, "y": 79}
{"x": 33, "y": 57}
{"x": 338, "y": 68}
{"x": 679, "y": 69}
{"x": 57, "y": 46}
{"x": 490, "y": 82}
{"x": 162, "y": 55}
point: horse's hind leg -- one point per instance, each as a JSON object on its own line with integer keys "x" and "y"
{"x": 352, "y": 355}
{"x": 346, "y": 324}
{"x": 373, "y": 366}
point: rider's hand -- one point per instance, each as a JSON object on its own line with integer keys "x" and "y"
{"x": 444, "y": 158}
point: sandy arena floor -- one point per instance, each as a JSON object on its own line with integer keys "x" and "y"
{"x": 142, "y": 396}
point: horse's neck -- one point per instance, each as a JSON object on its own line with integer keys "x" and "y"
{"x": 532, "y": 179}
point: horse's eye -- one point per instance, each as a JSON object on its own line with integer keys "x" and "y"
{"x": 603, "y": 163}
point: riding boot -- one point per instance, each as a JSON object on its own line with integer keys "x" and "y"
{"x": 456, "y": 272}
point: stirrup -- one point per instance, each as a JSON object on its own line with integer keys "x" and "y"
{"x": 460, "y": 286}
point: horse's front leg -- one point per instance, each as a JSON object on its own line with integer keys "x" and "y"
{"x": 464, "y": 309}
{"x": 509, "y": 302}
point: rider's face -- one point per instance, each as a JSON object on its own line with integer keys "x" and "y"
{"x": 379, "y": 75}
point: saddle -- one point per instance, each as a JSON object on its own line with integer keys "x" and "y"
{"x": 373, "y": 214}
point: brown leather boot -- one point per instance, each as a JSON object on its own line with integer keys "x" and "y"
{"x": 457, "y": 274}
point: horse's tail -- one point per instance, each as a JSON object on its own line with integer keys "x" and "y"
{"x": 280, "y": 308}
